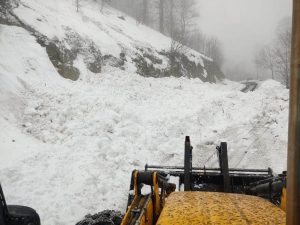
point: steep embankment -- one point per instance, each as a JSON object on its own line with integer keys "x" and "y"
{"x": 68, "y": 148}
{"x": 106, "y": 38}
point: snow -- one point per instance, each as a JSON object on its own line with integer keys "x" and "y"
{"x": 114, "y": 35}
{"x": 20, "y": 60}
{"x": 68, "y": 148}
{"x": 94, "y": 134}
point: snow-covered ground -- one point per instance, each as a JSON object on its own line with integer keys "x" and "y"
{"x": 68, "y": 148}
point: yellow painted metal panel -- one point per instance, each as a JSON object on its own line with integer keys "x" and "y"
{"x": 283, "y": 200}
{"x": 147, "y": 216}
{"x": 191, "y": 208}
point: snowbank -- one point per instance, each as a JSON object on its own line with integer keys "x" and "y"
{"x": 96, "y": 132}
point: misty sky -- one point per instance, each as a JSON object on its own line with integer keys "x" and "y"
{"x": 242, "y": 26}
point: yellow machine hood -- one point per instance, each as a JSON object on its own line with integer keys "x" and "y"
{"x": 196, "y": 208}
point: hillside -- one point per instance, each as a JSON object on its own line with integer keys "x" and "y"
{"x": 99, "y": 39}
{"x": 68, "y": 147}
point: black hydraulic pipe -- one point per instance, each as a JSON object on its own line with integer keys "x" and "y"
{"x": 268, "y": 180}
{"x": 268, "y": 187}
{"x": 223, "y": 158}
{"x": 187, "y": 164}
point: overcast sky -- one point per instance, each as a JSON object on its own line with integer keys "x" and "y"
{"x": 242, "y": 26}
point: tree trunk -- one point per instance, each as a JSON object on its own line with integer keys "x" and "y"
{"x": 171, "y": 18}
{"x": 102, "y": 5}
{"x": 161, "y": 16}
{"x": 272, "y": 71}
{"x": 145, "y": 11}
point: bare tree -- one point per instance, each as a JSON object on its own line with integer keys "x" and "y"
{"x": 265, "y": 58}
{"x": 214, "y": 50}
{"x": 78, "y": 5}
{"x": 277, "y": 58}
{"x": 171, "y": 17}
{"x": 145, "y": 12}
{"x": 188, "y": 14}
{"x": 161, "y": 15}
{"x": 210, "y": 46}
{"x": 283, "y": 49}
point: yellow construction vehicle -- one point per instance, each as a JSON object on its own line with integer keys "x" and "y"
{"x": 211, "y": 195}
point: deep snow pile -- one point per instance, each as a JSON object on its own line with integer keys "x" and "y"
{"x": 94, "y": 134}
{"x": 68, "y": 148}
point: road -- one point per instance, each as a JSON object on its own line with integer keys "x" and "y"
{"x": 249, "y": 86}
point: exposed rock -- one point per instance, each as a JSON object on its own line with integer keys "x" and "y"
{"x": 68, "y": 71}
{"x": 59, "y": 54}
{"x": 113, "y": 61}
{"x": 214, "y": 72}
{"x": 87, "y": 48}
{"x": 62, "y": 58}
{"x": 94, "y": 67}
{"x": 93, "y": 58}
{"x": 144, "y": 68}
{"x": 6, "y": 17}
{"x": 149, "y": 64}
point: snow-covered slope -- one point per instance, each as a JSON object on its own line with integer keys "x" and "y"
{"x": 68, "y": 148}
{"x": 105, "y": 38}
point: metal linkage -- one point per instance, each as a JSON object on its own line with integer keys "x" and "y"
{"x": 207, "y": 169}
{"x": 223, "y": 179}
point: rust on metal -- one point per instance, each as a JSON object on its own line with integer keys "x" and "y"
{"x": 196, "y": 208}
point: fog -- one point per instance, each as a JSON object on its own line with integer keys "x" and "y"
{"x": 242, "y": 27}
